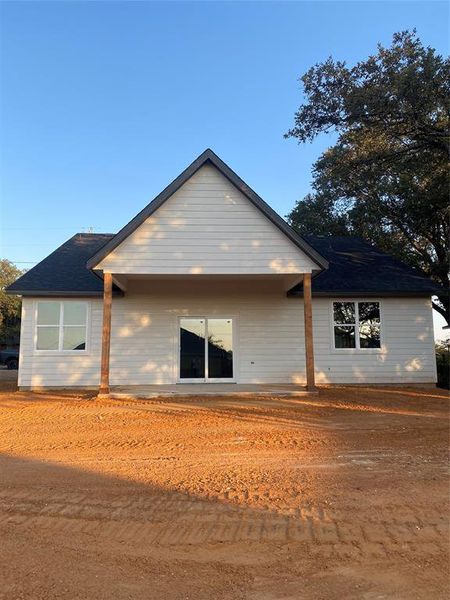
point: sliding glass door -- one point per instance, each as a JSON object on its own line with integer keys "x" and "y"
{"x": 206, "y": 349}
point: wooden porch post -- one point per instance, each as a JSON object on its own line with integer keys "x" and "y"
{"x": 106, "y": 333}
{"x": 309, "y": 344}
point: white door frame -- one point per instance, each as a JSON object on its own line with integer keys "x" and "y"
{"x": 207, "y": 379}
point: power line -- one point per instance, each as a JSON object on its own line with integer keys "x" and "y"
{"x": 89, "y": 229}
{"x": 36, "y": 228}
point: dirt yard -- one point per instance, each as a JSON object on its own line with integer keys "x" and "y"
{"x": 340, "y": 495}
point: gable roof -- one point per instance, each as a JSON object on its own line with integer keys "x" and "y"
{"x": 355, "y": 269}
{"x": 63, "y": 272}
{"x": 207, "y": 157}
{"x": 358, "y": 268}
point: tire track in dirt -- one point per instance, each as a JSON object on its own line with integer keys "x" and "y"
{"x": 164, "y": 520}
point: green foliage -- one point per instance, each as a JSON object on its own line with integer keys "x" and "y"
{"x": 387, "y": 177}
{"x": 10, "y": 306}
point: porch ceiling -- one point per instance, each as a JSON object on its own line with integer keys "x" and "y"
{"x": 283, "y": 281}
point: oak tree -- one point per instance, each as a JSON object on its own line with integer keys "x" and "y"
{"x": 387, "y": 176}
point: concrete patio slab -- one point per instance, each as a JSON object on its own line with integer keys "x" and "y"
{"x": 210, "y": 389}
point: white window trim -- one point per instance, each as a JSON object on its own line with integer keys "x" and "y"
{"x": 357, "y": 349}
{"x": 60, "y": 350}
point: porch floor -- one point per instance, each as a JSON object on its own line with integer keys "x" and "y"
{"x": 208, "y": 389}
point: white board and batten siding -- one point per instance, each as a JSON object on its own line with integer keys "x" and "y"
{"x": 207, "y": 227}
{"x": 269, "y": 341}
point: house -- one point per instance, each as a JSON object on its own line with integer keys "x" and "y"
{"x": 208, "y": 284}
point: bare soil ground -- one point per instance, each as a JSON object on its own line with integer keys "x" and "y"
{"x": 343, "y": 494}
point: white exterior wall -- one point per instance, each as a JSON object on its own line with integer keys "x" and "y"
{"x": 207, "y": 227}
{"x": 41, "y": 369}
{"x": 269, "y": 346}
{"x": 406, "y": 355}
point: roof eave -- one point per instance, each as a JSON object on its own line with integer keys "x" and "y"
{"x": 367, "y": 294}
{"x": 59, "y": 293}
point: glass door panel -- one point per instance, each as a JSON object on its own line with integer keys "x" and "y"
{"x": 192, "y": 348}
{"x": 220, "y": 348}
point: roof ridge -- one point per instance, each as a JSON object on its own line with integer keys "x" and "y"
{"x": 88, "y": 233}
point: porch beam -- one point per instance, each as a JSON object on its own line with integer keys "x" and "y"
{"x": 309, "y": 344}
{"x": 106, "y": 334}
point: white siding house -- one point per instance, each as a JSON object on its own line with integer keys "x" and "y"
{"x": 268, "y": 342}
{"x": 207, "y": 288}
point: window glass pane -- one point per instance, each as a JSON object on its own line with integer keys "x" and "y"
{"x": 220, "y": 348}
{"x": 369, "y": 325}
{"x": 344, "y": 312}
{"x": 48, "y": 313}
{"x": 75, "y": 313}
{"x": 369, "y": 311}
{"x": 369, "y": 335}
{"x": 74, "y": 338}
{"x": 47, "y": 338}
{"x": 192, "y": 348}
{"x": 344, "y": 336}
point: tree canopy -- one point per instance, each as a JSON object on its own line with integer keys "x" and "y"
{"x": 10, "y": 306}
{"x": 387, "y": 176}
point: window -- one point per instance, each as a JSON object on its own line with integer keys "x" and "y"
{"x": 356, "y": 325}
{"x": 61, "y": 326}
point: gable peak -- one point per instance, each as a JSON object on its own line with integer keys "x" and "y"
{"x": 210, "y": 156}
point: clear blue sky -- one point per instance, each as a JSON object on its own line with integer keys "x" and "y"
{"x": 103, "y": 104}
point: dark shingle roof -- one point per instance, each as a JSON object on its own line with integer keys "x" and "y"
{"x": 64, "y": 271}
{"x": 358, "y": 268}
{"x": 355, "y": 268}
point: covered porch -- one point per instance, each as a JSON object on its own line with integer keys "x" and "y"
{"x": 272, "y": 335}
